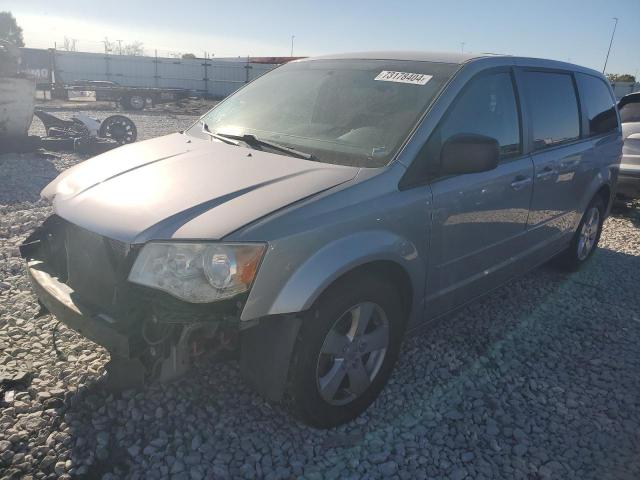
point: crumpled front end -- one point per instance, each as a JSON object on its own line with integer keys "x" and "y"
{"x": 81, "y": 278}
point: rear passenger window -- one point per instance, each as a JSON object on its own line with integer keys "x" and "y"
{"x": 553, "y": 108}
{"x": 487, "y": 106}
{"x": 599, "y": 104}
{"x": 630, "y": 112}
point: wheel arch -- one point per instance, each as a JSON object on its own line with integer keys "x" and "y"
{"x": 600, "y": 185}
{"x": 605, "y": 193}
{"x": 379, "y": 252}
{"x": 387, "y": 270}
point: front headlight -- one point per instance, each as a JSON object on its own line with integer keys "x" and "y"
{"x": 198, "y": 272}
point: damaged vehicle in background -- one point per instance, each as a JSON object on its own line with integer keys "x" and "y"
{"x": 629, "y": 178}
{"x": 322, "y": 211}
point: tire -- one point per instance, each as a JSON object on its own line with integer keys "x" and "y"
{"x": 359, "y": 382}
{"x": 590, "y": 228}
{"x": 133, "y": 102}
{"x": 118, "y": 128}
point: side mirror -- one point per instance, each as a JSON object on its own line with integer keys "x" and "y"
{"x": 469, "y": 153}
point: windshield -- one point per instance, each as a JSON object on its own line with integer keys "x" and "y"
{"x": 347, "y": 112}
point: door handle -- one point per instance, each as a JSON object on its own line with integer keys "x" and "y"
{"x": 546, "y": 172}
{"x": 569, "y": 164}
{"x": 520, "y": 182}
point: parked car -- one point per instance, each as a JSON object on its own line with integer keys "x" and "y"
{"x": 323, "y": 211}
{"x": 629, "y": 178}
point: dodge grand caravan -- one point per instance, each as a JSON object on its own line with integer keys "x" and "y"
{"x": 320, "y": 213}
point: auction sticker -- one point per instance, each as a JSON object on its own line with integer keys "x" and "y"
{"x": 403, "y": 77}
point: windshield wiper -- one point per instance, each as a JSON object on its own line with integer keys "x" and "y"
{"x": 252, "y": 139}
{"x": 205, "y": 129}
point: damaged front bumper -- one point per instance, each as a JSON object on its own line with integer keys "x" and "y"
{"x": 59, "y": 300}
{"x": 81, "y": 278}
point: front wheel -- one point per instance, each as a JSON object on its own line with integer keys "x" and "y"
{"x": 346, "y": 351}
{"x": 585, "y": 240}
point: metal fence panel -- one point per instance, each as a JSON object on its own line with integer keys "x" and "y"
{"x": 213, "y": 77}
{"x": 130, "y": 71}
{"x": 37, "y": 62}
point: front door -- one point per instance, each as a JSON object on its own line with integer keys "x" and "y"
{"x": 479, "y": 219}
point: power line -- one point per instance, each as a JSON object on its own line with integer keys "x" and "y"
{"x": 610, "y": 43}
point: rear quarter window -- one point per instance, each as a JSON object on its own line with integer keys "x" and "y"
{"x": 598, "y": 103}
{"x": 553, "y": 108}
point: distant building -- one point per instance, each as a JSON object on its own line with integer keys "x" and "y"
{"x": 624, "y": 88}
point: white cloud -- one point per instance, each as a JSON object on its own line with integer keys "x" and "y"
{"x": 41, "y": 31}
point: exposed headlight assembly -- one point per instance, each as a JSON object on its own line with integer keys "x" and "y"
{"x": 198, "y": 272}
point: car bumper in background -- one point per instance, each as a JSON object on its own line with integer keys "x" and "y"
{"x": 629, "y": 180}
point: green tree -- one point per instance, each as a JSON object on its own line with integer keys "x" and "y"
{"x": 625, "y": 77}
{"x": 188, "y": 56}
{"x": 9, "y": 29}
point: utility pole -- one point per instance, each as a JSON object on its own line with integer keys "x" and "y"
{"x": 615, "y": 19}
{"x": 292, "y": 37}
{"x": 462, "y": 44}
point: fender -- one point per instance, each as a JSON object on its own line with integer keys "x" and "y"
{"x": 611, "y": 148}
{"x": 335, "y": 259}
{"x": 274, "y": 335}
{"x": 597, "y": 182}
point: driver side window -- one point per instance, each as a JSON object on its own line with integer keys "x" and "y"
{"x": 487, "y": 106}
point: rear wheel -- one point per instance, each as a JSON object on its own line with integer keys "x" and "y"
{"x": 345, "y": 351}
{"x": 585, "y": 240}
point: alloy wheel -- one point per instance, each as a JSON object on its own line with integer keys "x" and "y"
{"x": 352, "y": 353}
{"x": 588, "y": 233}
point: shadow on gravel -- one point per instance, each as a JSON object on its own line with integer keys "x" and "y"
{"x": 539, "y": 380}
{"x": 23, "y": 176}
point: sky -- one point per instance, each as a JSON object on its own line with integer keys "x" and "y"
{"x": 570, "y": 30}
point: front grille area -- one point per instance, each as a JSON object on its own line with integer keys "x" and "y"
{"x": 95, "y": 267}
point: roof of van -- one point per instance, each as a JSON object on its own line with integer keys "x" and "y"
{"x": 447, "y": 57}
{"x": 420, "y": 56}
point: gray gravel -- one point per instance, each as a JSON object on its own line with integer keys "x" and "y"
{"x": 538, "y": 381}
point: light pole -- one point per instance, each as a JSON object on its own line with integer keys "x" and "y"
{"x": 615, "y": 19}
{"x": 462, "y": 44}
{"x": 292, "y": 37}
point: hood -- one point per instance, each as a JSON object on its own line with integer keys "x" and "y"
{"x": 183, "y": 187}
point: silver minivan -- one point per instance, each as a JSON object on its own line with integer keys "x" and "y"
{"x": 317, "y": 215}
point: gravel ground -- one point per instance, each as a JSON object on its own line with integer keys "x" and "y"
{"x": 539, "y": 380}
